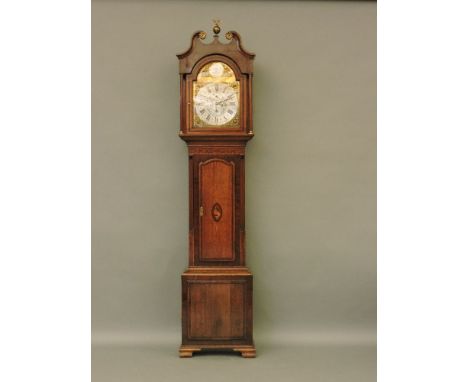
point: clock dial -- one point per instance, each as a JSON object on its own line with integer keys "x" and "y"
{"x": 216, "y": 97}
{"x": 216, "y": 104}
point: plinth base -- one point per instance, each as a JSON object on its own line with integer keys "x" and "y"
{"x": 217, "y": 311}
{"x": 186, "y": 351}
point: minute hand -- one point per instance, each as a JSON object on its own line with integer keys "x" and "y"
{"x": 225, "y": 100}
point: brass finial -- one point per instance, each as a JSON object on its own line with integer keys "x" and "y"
{"x": 216, "y": 27}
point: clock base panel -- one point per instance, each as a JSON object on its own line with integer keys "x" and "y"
{"x": 217, "y": 310}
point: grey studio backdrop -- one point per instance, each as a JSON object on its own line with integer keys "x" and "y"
{"x": 310, "y": 169}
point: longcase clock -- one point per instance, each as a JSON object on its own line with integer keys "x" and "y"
{"x": 216, "y": 124}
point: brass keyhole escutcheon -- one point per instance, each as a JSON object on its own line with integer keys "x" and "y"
{"x": 216, "y": 212}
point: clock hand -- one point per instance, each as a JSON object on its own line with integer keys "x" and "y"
{"x": 225, "y": 100}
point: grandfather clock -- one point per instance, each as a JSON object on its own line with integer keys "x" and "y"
{"x": 216, "y": 123}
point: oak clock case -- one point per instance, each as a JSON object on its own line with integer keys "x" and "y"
{"x": 216, "y": 124}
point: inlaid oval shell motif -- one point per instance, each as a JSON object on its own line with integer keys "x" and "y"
{"x": 216, "y": 212}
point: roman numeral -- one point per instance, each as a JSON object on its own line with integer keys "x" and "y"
{"x": 230, "y": 112}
